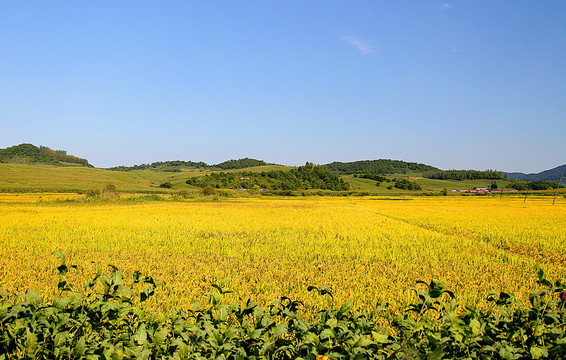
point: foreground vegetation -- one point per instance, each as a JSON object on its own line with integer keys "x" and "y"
{"x": 111, "y": 323}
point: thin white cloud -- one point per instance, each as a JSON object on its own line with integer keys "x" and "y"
{"x": 361, "y": 45}
{"x": 446, "y": 6}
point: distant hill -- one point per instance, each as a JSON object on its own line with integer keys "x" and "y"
{"x": 176, "y": 166}
{"x": 547, "y": 175}
{"x": 239, "y": 164}
{"x": 305, "y": 177}
{"x": 382, "y": 166}
{"x": 31, "y": 154}
{"x": 166, "y": 166}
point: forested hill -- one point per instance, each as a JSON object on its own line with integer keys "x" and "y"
{"x": 382, "y": 166}
{"x": 176, "y": 166}
{"x": 547, "y": 175}
{"x": 239, "y": 164}
{"x": 167, "y": 166}
{"x": 305, "y": 177}
{"x": 31, "y": 154}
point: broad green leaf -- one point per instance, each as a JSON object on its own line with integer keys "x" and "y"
{"x": 327, "y": 333}
{"x": 475, "y": 326}
{"x": 280, "y": 330}
{"x": 538, "y": 352}
{"x": 223, "y": 313}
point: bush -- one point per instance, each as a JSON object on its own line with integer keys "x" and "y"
{"x": 93, "y": 193}
{"x": 110, "y": 188}
{"x": 150, "y": 197}
{"x": 208, "y": 190}
{"x": 166, "y": 185}
{"x": 405, "y": 184}
{"x": 108, "y": 192}
{"x": 225, "y": 192}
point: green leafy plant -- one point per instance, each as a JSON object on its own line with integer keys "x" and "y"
{"x": 108, "y": 321}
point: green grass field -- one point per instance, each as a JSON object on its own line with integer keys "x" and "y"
{"x": 32, "y": 178}
{"x": 428, "y": 185}
{"x": 25, "y": 177}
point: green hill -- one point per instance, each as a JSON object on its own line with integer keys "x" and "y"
{"x": 31, "y": 154}
{"x": 27, "y": 177}
{"x": 166, "y": 166}
{"x": 547, "y": 175}
{"x": 178, "y": 165}
{"x": 305, "y": 177}
{"x": 239, "y": 164}
{"x": 382, "y": 166}
{"x": 27, "y": 168}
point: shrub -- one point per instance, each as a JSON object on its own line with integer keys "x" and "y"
{"x": 92, "y": 193}
{"x": 208, "y": 190}
{"x": 405, "y": 184}
{"x": 110, "y": 188}
{"x": 225, "y": 192}
{"x": 150, "y": 197}
{"x": 166, "y": 185}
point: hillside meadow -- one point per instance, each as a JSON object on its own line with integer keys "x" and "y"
{"x": 78, "y": 179}
{"x": 367, "y": 249}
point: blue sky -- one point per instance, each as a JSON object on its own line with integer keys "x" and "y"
{"x": 454, "y": 84}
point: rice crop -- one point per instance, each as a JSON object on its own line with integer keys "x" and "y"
{"x": 366, "y": 250}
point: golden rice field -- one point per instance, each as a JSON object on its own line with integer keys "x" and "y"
{"x": 368, "y": 250}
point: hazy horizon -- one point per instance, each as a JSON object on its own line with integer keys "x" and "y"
{"x": 452, "y": 84}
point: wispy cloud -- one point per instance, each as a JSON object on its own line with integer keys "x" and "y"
{"x": 361, "y": 45}
{"x": 446, "y": 6}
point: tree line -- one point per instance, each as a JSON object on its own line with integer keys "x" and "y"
{"x": 382, "y": 166}
{"x": 466, "y": 175}
{"x": 61, "y": 155}
{"x": 532, "y": 185}
{"x": 177, "y": 165}
{"x": 32, "y": 154}
{"x": 305, "y": 177}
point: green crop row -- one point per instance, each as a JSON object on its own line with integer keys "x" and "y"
{"x": 110, "y": 323}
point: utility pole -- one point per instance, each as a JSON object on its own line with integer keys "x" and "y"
{"x": 527, "y": 194}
